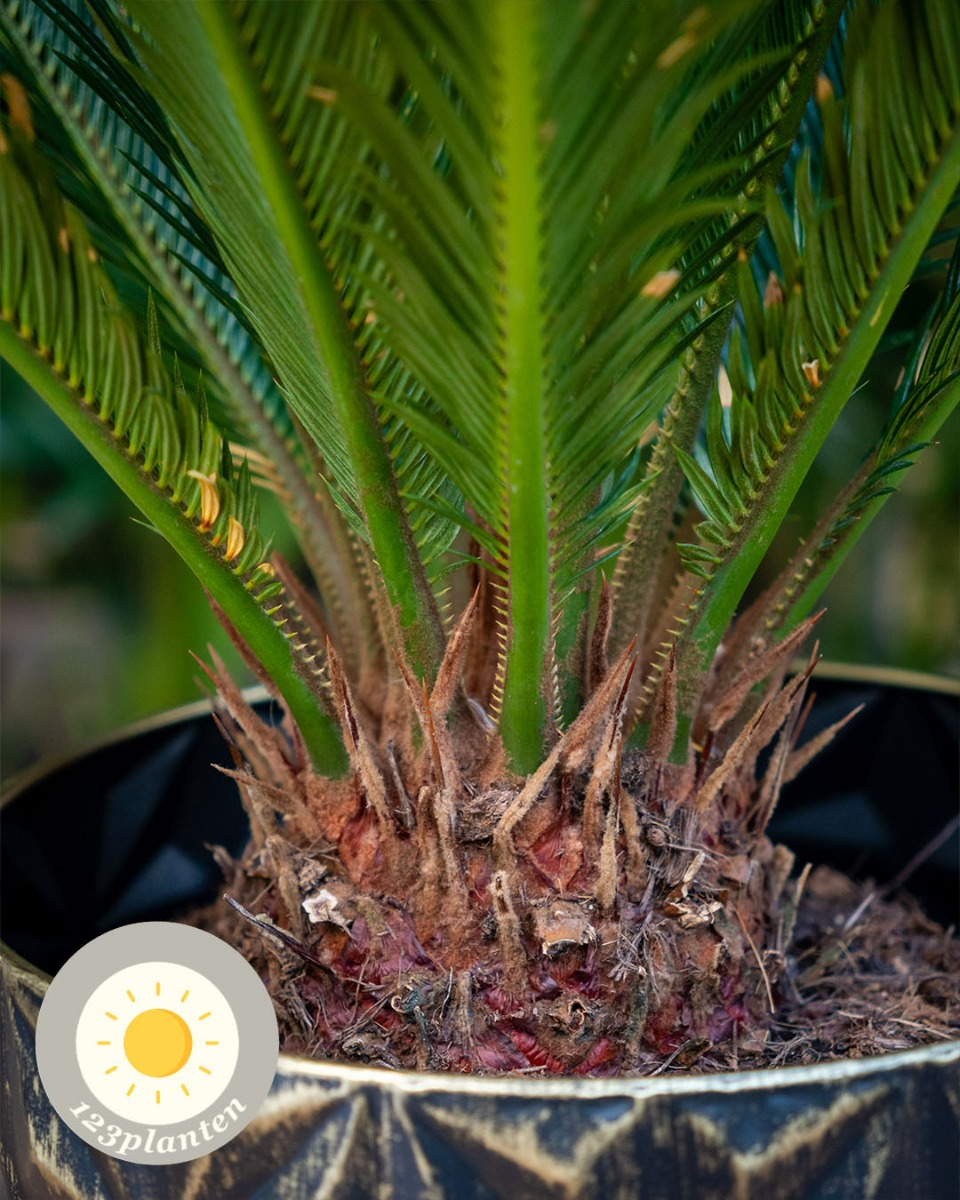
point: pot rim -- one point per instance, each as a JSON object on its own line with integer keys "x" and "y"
{"x": 296, "y": 1066}
{"x": 640, "y": 1086}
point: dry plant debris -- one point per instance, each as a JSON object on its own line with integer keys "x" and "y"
{"x": 612, "y": 914}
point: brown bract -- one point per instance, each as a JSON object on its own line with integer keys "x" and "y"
{"x": 612, "y": 913}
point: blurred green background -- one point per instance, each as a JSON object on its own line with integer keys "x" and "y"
{"x": 99, "y": 616}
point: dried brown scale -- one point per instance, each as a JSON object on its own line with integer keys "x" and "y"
{"x": 621, "y": 894}
{"x": 611, "y": 914}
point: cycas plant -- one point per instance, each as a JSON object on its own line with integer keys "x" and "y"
{"x": 535, "y": 316}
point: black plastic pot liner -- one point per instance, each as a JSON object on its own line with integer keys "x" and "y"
{"x": 121, "y": 834}
{"x": 118, "y": 835}
{"x": 882, "y": 791}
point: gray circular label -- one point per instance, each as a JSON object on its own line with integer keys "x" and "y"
{"x": 157, "y": 1043}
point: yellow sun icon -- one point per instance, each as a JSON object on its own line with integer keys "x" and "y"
{"x": 157, "y": 1042}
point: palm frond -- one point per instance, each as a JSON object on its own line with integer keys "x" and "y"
{"x": 257, "y": 162}
{"x": 759, "y": 121}
{"x": 536, "y": 399}
{"x": 65, "y": 330}
{"x": 466, "y": 272}
{"x": 806, "y": 339}
{"x": 927, "y": 394}
{"x": 124, "y": 179}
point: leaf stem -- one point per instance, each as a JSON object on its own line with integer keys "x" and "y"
{"x": 418, "y": 621}
{"x": 526, "y": 495}
{"x": 828, "y": 562}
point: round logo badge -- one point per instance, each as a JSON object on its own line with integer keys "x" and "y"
{"x": 157, "y": 1043}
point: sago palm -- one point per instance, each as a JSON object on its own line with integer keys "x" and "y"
{"x": 535, "y": 314}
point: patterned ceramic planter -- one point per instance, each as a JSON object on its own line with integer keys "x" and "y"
{"x": 118, "y": 836}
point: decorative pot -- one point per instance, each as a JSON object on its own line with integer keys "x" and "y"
{"x": 120, "y": 835}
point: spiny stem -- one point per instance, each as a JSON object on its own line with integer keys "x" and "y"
{"x": 526, "y": 498}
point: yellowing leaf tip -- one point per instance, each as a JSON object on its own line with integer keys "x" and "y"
{"x": 662, "y": 284}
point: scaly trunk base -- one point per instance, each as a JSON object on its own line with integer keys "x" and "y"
{"x": 663, "y": 939}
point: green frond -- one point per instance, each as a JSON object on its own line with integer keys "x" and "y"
{"x": 63, "y": 328}
{"x": 928, "y": 393}
{"x": 805, "y": 347}
{"x": 758, "y": 121}
{"x": 536, "y": 398}
{"x": 167, "y": 247}
{"x": 516, "y": 274}
{"x": 262, "y": 159}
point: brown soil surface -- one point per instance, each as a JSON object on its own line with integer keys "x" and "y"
{"x": 865, "y": 976}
